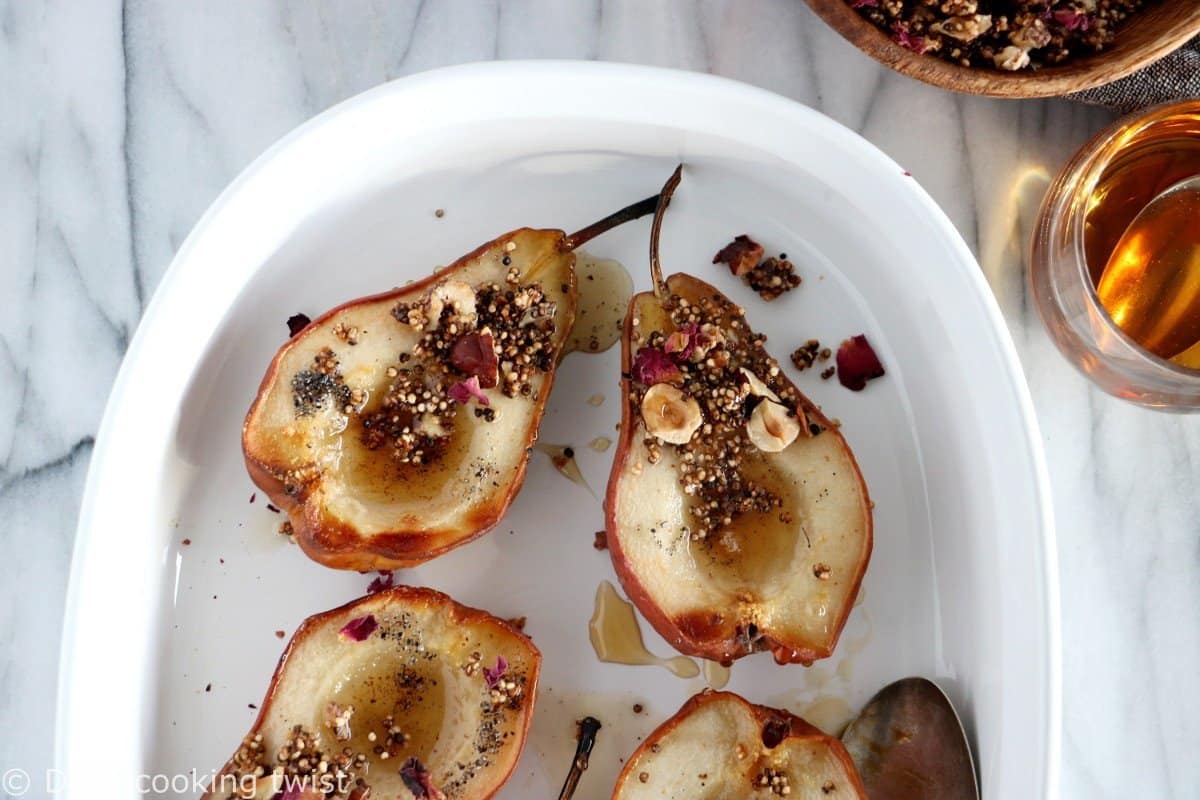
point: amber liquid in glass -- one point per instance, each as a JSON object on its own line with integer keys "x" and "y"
{"x": 1151, "y": 286}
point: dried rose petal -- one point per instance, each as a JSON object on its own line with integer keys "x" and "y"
{"x": 857, "y": 363}
{"x": 742, "y": 255}
{"x": 651, "y": 366}
{"x": 474, "y": 354}
{"x": 463, "y": 391}
{"x": 386, "y": 580}
{"x": 418, "y": 781}
{"x": 492, "y": 675}
{"x": 297, "y": 323}
{"x": 902, "y": 37}
{"x": 356, "y": 630}
{"x": 1072, "y": 20}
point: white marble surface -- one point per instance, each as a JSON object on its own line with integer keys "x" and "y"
{"x": 121, "y": 124}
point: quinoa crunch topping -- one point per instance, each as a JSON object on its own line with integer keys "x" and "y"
{"x": 775, "y": 780}
{"x": 314, "y": 388}
{"x": 327, "y": 761}
{"x": 301, "y": 761}
{"x": 809, "y": 353}
{"x": 742, "y": 255}
{"x": 472, "y": 339}
{"x": 1006, "y": 35}
{"x": 770, "y": 278}
{"x": 721, "y": 399}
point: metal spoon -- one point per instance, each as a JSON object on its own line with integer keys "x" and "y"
{"x": 908, "y": 744}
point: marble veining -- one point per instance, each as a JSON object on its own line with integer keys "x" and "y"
{"x": 123, "y": 121}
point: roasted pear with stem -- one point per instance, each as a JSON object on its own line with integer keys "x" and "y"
{"x": 718, "y": 746}
{"x": 396, "y": 427}
{"x": 404, "y": 693}
{"x": 736, "y": 515}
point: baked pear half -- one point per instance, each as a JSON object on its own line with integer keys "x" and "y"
{"x": 720, "y": 746}
{"x": 398, "y": 426}
{"x": 404, "y": 693}
{"x": 737, "y": 518}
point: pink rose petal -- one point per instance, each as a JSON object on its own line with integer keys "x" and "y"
{"x": 474, "y": 354}
{"x": 386, "y": 580}
{"x": 463, "y": 391}
{"x": 297, "y": 323}
{"x": 651, "y": 366}
{"x": 1072, "y": 20}
{"x": 418, "y": 781}
{"x": 356, "y": 630}
{"x": 902, "y": 37}
{"x": 857, "y": 363}
{"x": 492, "y": 675}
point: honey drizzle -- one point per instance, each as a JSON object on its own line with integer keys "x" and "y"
{"x": 617, "y": 638}
{"x": 600, "y": 444}
{"x": 605, "y": 288}
{"x": 716, "y": 675}
{"x": 562, "y": 456}
{"x": 830, "y": 713}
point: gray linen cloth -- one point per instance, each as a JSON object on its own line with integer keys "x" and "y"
{"x": 1173, "y": 78}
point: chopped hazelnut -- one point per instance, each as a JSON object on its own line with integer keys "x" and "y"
{"x": 757, "y": 387}
{"x": 456, "y": 294}
{"x": 669, "y": 415}
{"x": 1012, "y": 58}
{"x": 771, "y": 428}
{"x": 965, "y": 28}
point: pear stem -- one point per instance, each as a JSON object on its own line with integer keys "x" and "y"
{"x": 627, "y": 214}
{"x": 664, "y": 200}
{"x": 588, "y": 728}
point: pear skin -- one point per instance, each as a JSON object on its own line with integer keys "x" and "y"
{"x": 718, "y": 745}
{"x": 375, "y": 474}
{"x": 781, "y": 575}
{"x": 407, "y": 672}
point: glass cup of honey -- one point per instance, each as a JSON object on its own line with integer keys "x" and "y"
{"x": 1115, "y": 260}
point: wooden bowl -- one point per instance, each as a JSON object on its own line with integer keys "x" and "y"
{"x": 1146, "y": 37}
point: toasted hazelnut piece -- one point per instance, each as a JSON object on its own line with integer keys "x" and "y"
{"x": 458, "y": 294}
{"x": 712, "y": 337}
{"x": 771, "y": 428}
{"x": 757, "y": 387}
{"x": 669, "y": 415}
{"x": 1011, "y": 58}
{"x": 966, "y": 28}
{"x": 1032, "y": 36}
